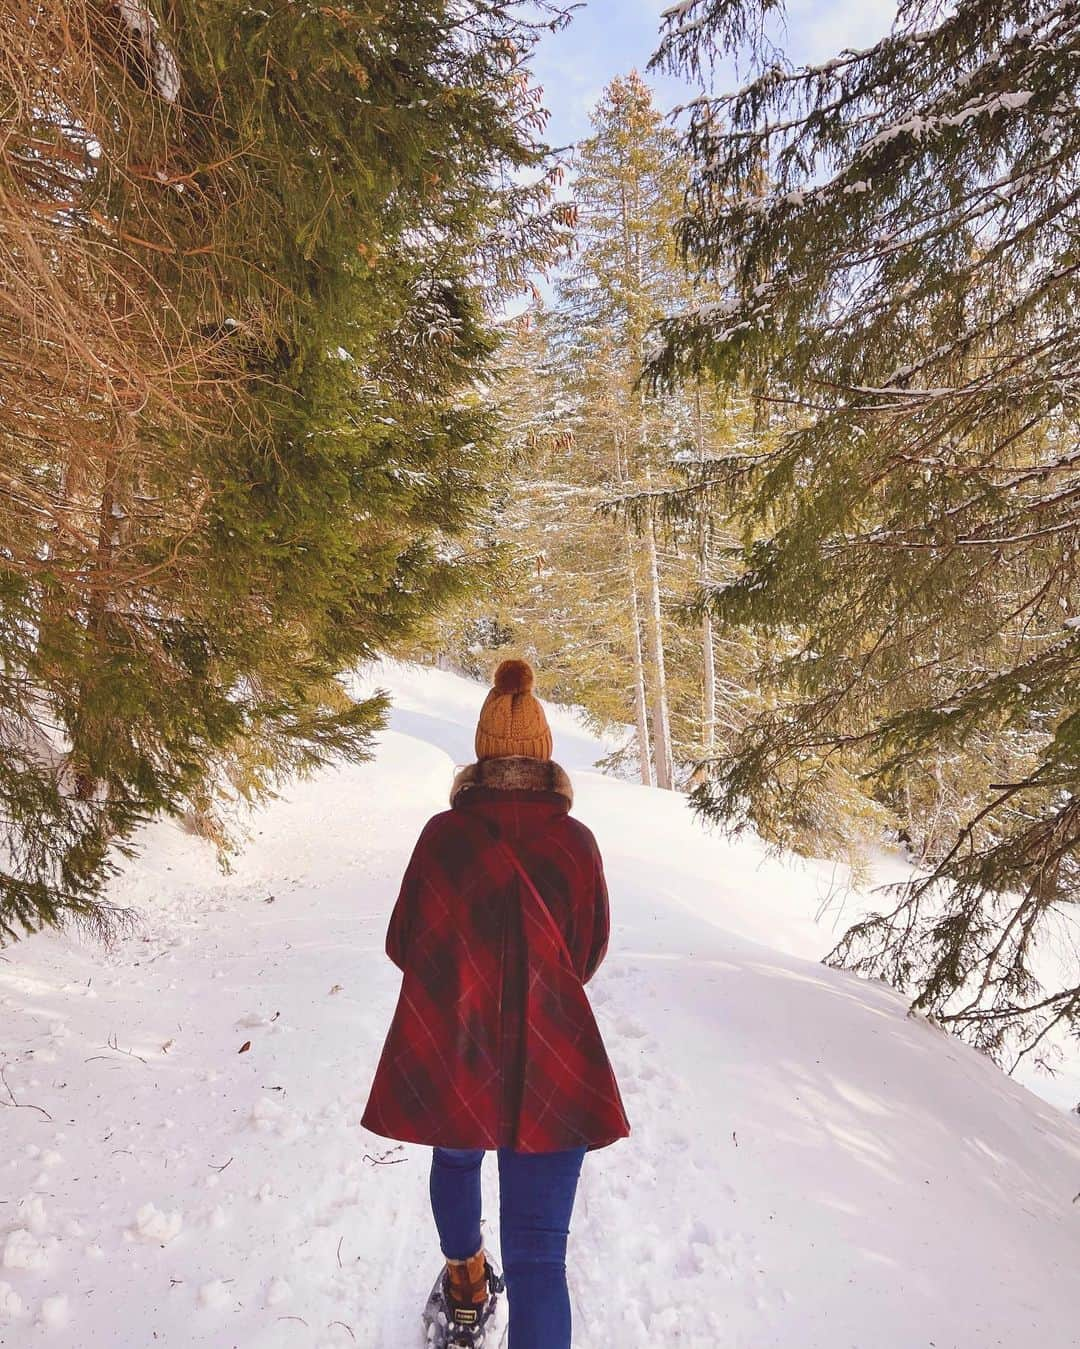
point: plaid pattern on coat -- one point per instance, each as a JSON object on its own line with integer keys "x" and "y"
{"x": 493, "y": 1042}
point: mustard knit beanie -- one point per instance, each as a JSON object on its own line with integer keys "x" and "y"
{"x": 512, "y": 722}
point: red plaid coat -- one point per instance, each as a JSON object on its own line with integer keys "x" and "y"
{"x": 493, "y": 1042}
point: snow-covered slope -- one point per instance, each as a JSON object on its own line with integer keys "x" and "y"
{"x": 809, "y": 1168}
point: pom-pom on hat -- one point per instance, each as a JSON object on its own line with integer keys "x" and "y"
{"x": 512, "y": 721}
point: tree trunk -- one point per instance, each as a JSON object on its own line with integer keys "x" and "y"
{"x": 636, "y": 457}
{"x": 655, "y": 633}
{"x": 708, "y": 660}
{"x": 97, "y": 606}
{"x": 708, "y": 708}
{"x": 644, "y": 748}
{"x": 640, "y": 704}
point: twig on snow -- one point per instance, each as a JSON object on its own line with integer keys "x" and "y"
{"x": 19, "y": 1105}
{"x": 112, "y": 1043}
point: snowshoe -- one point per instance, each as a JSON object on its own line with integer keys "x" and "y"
{"x": 453, "y": 1324}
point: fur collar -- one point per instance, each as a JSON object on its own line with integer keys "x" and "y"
{"x": 511, "y": 773}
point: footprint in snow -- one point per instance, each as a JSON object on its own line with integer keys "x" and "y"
{"x": 267, "y": 1116}
{"x": 55, "y": 1312}
{"x": 690, "y": 1263}
{"x": 23, "y": 1250}
{"x": 277, "y": 1292}
{"x": 154, "y": 1226}
{"x": 31, "y": 1212}
{"x": 11, "y": 1304}
{"x": 214, "y": 1294}
{"x": 630, "y": 1029}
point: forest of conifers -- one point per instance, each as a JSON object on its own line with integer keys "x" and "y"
{"x": 756, "y": 427}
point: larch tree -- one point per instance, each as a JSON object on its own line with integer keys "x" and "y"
{"x": 628, "y": 187}
{"x": 250, "y": 260}
{"x": 561, "y": 571}
{"x": 596, "y": 563}
{"x": 896, "y": 229}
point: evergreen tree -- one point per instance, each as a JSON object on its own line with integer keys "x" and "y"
{"x": 588, "y": 598}
{"x": 249, "y": 259}
{"x": 896, "y": 228}
{"x": 628, "y": 187}
{"x": 588, "y": 553}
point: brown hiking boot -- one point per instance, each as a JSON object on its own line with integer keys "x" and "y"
{"x": 462, "y": 1303}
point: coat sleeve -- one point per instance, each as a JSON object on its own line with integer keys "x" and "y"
{"x": 601, "y": 922}
{"x": 403, "y": 917}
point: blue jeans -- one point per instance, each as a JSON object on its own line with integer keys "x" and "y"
{"x": 536, "y": 1199}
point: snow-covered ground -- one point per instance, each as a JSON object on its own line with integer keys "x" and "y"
{"x": 809, "y": 1168}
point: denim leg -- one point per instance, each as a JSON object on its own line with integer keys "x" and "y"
{"x": 455, "y": 1200}
{"x": 536, "y": 1199}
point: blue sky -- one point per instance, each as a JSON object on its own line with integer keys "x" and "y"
{"x": 611, "y": 37}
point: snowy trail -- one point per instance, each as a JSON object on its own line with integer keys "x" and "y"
{"x": 809, "y": 1168}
